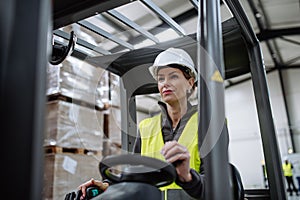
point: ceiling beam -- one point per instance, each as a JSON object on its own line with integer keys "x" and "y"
{"x": 233, "y": 83}
{"x": 107, "y": 35}
{"x": 164, "y": 16}
{"x": 196, "y": 2}
{"x": 290, "y": 40}
{"x": 132, "y": 24}
{"x": 268, "y": 34}
{"x": 179, "y": 19}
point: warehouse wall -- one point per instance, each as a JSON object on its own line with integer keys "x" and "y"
{"x": 245, "y": 149}
{"x": 292, "y": 83}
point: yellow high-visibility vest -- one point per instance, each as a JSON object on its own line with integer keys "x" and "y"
{"x": 287, "y": 169}
{"x": 152, "y": 141}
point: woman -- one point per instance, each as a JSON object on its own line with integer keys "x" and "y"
{"x": 172, "y": 134}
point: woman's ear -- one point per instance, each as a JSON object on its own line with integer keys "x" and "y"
{"x": 191, "y": 82}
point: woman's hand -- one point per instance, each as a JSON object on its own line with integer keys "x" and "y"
{"x": 92, "y": 182}
{"x": 180, "y": 156}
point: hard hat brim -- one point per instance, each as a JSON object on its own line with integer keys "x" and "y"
{"x": 154, "y": 69}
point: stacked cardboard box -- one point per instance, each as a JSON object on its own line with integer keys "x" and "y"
{"x": 79, "y": 81}
{"x": 73, "y": 126}
{"x": 73, "y": 139}
{"x": 73, "y": 147}
{"x": 64, "y": 172}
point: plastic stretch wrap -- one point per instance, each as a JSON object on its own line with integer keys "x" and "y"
{"x": 65, "y": 172}
{"x": 115, "y": 125}
{"x": 73, "y": 126}
{"x": 81, "y": 82}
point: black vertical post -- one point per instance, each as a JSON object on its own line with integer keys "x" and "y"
{"x": 106, "y": 117}
{"x": 213, "y": 138}
{"x": 268, "y": 134}
{"x": 270, "y": 146}
{"x": 106, "y": 144}
{"x": 130, "y": 83}
{"x": 25, "y": 26}
{"x": 128, "y": 116}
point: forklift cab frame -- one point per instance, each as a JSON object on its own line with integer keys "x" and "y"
{"x": 238, "y": 39}
{"x": 208, "y": 37}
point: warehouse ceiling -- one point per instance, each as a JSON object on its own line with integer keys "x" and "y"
{"x": 112, "y": 26}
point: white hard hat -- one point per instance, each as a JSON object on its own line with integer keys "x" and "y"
{"x": 173, "y": 56}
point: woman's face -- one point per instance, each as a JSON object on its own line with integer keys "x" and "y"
{"x": 172, "y": 84}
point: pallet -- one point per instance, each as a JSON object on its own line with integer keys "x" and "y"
{"x": 61, "y": 97}
{"x": 57, "y": 149}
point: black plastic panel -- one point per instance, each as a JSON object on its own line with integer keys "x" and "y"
{"x": 66, "y": 12}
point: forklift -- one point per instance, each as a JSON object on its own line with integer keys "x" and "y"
{"x": 213, "y": 48}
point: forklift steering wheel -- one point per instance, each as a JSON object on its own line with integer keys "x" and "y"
{"x": 137, "y": 169}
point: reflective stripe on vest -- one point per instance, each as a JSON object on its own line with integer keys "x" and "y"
{"x": 152, "y": 141}
{"x": 287, "y": 169}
